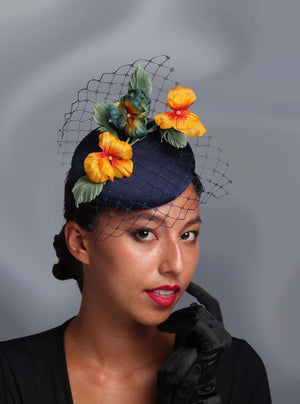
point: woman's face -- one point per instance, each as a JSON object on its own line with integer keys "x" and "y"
{"x": 140, "y": 275}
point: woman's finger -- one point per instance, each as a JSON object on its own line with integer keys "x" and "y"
{"x": 206, "y": 299}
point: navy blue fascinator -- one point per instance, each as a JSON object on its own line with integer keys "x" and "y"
{"x": 160, "y": 173}
{"x": 135, "y": 144}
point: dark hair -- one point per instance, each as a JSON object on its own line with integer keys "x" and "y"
{"x": 68, "y": 267}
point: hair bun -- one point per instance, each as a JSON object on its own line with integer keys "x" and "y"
{"x": 67, "y": 266}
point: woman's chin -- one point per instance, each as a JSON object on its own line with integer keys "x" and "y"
{"x": 153, "y": 319}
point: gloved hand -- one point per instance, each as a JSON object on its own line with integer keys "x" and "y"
{"x": 189, "y": 374}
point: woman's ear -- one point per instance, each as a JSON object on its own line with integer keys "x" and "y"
{"x": 77, "y": 241}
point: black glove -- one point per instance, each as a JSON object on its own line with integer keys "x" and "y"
{"x": 189, "y": 374}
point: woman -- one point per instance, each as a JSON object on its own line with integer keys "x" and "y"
{"x": 131, "y": 242}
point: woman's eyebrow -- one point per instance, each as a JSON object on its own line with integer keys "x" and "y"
{"x": 150, "y": 217}
{"x": 193, "y": 221}
{"x": 162, "y": 219}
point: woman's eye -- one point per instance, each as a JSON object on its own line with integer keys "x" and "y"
{"x": 144, "y": 235}
{"x": 190, "y": 235}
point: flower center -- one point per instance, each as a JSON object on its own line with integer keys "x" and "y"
{"x": 128, "y": 115}
{"x": 178, "y": 112}
{"x": 110, "y": 158}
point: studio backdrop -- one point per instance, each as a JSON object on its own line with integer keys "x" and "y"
{"x": 242, "y": 60}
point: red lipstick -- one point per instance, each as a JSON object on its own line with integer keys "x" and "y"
{"x": 164, "y": 295}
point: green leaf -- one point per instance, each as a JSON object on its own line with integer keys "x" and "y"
{"x": 102, "y": 116}
{"x": 108, "y": 128}
{"x": 86, "y": 190}
{"x": 101, "y": 113}
{"x": 139, "y": 80}
{"x": 175, "y": 138}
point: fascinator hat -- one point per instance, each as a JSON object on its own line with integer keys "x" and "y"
{"x": 135, "y": 144}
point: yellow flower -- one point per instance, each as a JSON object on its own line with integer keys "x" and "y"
{"x": 181, "y": 119}
{"x": 113, "y": 161}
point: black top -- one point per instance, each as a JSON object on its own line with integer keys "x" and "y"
{"x": 33, "y": 370}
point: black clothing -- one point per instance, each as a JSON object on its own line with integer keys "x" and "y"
{"x": 33, "y": 370}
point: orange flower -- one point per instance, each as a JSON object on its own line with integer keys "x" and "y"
{"x": 181, "y": 119}
{"x": 113, "y": 161}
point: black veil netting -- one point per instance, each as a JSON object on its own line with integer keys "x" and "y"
{"x": 207, "y": 163}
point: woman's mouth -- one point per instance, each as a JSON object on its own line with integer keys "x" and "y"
{"x": 163, "y": 295}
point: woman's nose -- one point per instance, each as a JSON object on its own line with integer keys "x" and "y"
{"x": 171, "y": 260}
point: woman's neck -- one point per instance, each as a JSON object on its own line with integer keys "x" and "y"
{"x": 115, "y": 345}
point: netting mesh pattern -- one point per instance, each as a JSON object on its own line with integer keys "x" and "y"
{"x": 110, "y": 87}
{"x": 113, "y": 222}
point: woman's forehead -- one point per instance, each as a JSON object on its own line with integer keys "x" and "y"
{"x": 183, "y": 208}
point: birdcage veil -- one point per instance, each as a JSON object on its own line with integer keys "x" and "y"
{"x": 161, "y": 172}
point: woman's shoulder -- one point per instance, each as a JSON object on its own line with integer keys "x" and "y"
{"x": 242, "y": 355}
{"x": 242, "y": 347}
{"x": 42, "y": 348}
{"x": 242, "y": 374}
{"x": 32, "y": 344}
{"x": 32, "y": 369}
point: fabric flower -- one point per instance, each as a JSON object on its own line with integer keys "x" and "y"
{"x": 113, "y": 161}
{"x": 130, "y": 113}
{"x": 181, "y": 119}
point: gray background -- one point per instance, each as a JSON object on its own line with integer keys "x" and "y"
{"x": 242, "y": 59}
